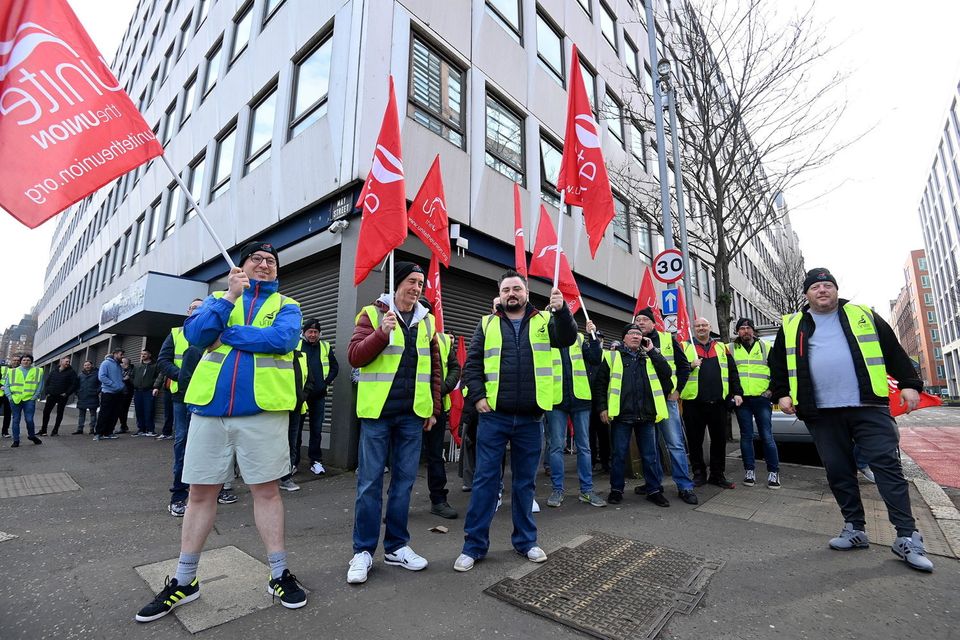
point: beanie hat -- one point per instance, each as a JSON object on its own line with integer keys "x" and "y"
{"x": 745, "y": 322}
{"x": 820, "y": 274}
{"x": 629, "y": 327}
{"x": 311, "y": 323}
{"x": 403, "y": 269}
{"x": 647, "y": 311}
{"x": 252, "y": 247}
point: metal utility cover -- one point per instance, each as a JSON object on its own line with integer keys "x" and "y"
{"x": 611, "y": 587}
{"x": 36, "y": 484}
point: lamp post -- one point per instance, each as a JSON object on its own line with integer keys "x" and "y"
{"x": 658, "y": 120}
{"x": 666, "y": 86}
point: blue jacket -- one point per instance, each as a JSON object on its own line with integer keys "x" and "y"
{"x": 111, "y": 376}
{"x": 233, "y": 395}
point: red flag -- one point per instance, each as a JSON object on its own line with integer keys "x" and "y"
{"x": 583, "y": 173}
{"x": 544, "y": 260}
{"x": 683, "y": 320}
{"x": 519, "y": 247}
{"x": 456, "y": 396}
{"x": 428, "y": 214}
{"x": 431, "y": 291}
{"x": 67, "y": 126}
{"x": 896, "y": 409}
{"x": 383, "y": 226}
{"x": 647, "y": 297}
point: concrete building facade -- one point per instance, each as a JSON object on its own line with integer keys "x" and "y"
{"x": 915, "y": 322}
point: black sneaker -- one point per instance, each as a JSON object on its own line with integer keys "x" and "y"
{"x": 640, "y": 489}
{"x": 688, "y": 496}
{"x": 286, "y": 587}
{"x": 615, "y": 497}
{"x": 35, "y": 440}
{"x": 721, "y": 481}
{"x": 658, "y": 499}
{"x": 172, "y": 595}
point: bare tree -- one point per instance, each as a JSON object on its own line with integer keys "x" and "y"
{"x": 787, "y": 272}
{"x": 753, "y": 120}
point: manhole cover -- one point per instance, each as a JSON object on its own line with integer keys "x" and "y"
{"x": 36, "y": 484}
{"x": 611, "y": 587}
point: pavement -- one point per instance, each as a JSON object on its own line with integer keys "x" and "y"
{"x": 85, "y": 539}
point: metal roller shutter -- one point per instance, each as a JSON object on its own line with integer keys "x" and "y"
{"x": 98, "y": 352}
{"x": 466, "y": 299}
{"x": 132, "y": 345}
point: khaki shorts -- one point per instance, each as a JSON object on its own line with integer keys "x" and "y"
{"x": 258, "y": 443}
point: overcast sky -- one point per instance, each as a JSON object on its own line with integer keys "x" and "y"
{"x": 903, "y": 64}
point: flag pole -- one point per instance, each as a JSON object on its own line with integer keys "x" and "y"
{"x": 200, "y": 213}
{"x": 586, "y": 315}
{"x": 556, "y": 264}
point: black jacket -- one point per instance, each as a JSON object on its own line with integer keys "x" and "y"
{"x": 60, "y": 383}
{"x": 636, "y": 396}
{"x": 710, "y": 372}
{"x": 517, "y": 394}
{"x": 313, "y": 365}
{"x": 592, "y": 355}
{"x": 144, "y": 375}
{"x": 88, "y": 390}
{"x": 899, "y": 365}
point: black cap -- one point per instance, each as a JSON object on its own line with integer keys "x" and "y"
{"x": 252, "y": 247}
{"x": 648, "y": 312}
{"x": 745, "y": 322}
{"x": 630, "y": 326}
{"x": 403, "y": 269}
{"x": 820, "y": 274}
{"x": 311, "y": 323}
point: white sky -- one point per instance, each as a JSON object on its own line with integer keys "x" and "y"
{"x": 903, "y": 66}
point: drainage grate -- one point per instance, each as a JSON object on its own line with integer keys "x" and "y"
{"x": 36, "y": 484}
{"x": 611, "y": 587}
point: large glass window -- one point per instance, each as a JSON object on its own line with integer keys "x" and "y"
{"x": 590, "y": 82}
{"x": 261, "y": 129}
{"x": 167, "y": 63}
{"x": 550, "y": 157}
{"x": 203, "y": 8}
{"x": 550, "y": 47}
{"x": 174, "y": 204}
{"x": 184, "y": 36}
{"x": 195, "y": 184}
{"x": 168, "y": 123}
{"x": 243, "y": 23}
{"x": 504, "y": 142}
{"x": 613, "y": 117}
{"x": 637, "y": 145}
{"x": 585, "y": 5}
{"x": 155, "y": 215}
{"x": 213, "y": 68}
{"x": 189, "y": 95}
{"x": 137, "y": 235}
{"x": 223, "y": 162}
{"x": 310, "y": 84}
{"x": 608, "y": 25}
{"x": 507, "y": 13}
{"x": 269, "y": 8}
{"x": 644, "y": 240}
{"x": 633, "y": 56}
{"x": 436, "y": 93}
{"x": 128, "y": 242}
{"x": 620, "y": 224}
{"x": 647, "y": 79}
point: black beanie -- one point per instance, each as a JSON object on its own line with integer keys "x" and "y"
{"x": 820, "y": 274}
{"x": 252, "y": 247}
{"x": 745, "y": 322}
{"x": 629, "y": 327}
{"x": 403, "y": 269}
{"x": 646, "y": 312}
{"x": 311, "y": 323}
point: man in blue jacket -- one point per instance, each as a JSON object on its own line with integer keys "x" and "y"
{"x": 112, "y": 390}
{"x": 240, "y": 395}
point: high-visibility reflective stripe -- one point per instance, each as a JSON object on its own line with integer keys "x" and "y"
{"x": 376, "y": 377}
{"x": 616, "y": 376}
{"x": 423, "y": 377}
{"x": 543, "y": 371}
{"x": 582, "y": 374}
{"x": 754, "y": 375}
{"x": 874, "y": 361}
{"x": 541, "y": 346}
{"x": 491, "y": 352}
{"x": 658, "y": 392}
{"x": 614, "y": 392}
{"x": 493, "y": 377}
{"x": 423, "y": 351}
{"x": 791, "y": 351}
{"x": 270, "y": 362}
{"x": 868, "y": 337}
{"x": 392, "y": 350}
{"x": 215, "y": 356}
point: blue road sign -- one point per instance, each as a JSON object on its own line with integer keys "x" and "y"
{"x": 668, "y": 299}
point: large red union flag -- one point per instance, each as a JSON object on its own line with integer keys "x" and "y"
{"x": 456, "y": 396}
{"x": 383, "y": 226}
{"x": 683, "y": 320}
{"x": 431, "y": 291}
{"x": 544, "y": 261}
{"x": 647, "y": 298}
{"x": 428, "y": 214}
{"x": 519, "y": 246}
{"x": 67, "y": 127}
{"x": 583, "y": 173}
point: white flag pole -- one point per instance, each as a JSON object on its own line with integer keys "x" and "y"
{"x": 586, "y": 315}
{"x": 200, "y": 213}
{"x": 556, "y": 266}
{"x": 392, "y": 306}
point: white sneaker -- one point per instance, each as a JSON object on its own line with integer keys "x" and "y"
{"x": 359, "y": 567}
{"x": 536, "y": 506}
{"x": 317, "y": 469}
{"x": 868, "y": 475}
{"x": 499, "y": 501}
{"x": 407, "y": 558}
{"x": 289, "y": 485}
{"x": 536, "y": 554}
{"x": 463, "y": 563}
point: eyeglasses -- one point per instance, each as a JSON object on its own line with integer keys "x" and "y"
{"x": 257, "y": 259}
{"x": 634, "y": 333}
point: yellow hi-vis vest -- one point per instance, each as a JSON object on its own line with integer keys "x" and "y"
{"x": 3, "y": 379}
{"x": 581, "y": 383}
{"x": 666, "y": 350}
{"x": 274, "y": 382}
{"x": 864, "y": 329}
{"x": 692, "y": 387}
{"x": 180, "y": 346}
{"x": 444, "y": 342}
{"x": 23, "y": 386}
{"x": 615, "y": 362}
{"x": 752, "y": 367}
{"x": 543, "y": 362}
{"x": 377, "y": 377}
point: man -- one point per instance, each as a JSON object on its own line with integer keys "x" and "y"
{"x": 433, "y": 439}
{"x": 573, "y": 401}
{"x": 672, "y": 428}
{"x": 57, "y": 389}
{"x": 829, "y": 366}
{"x": 112, "y": 395}
{"x": 241, "y": 393}
{"x": 599, "y": 432}
{"x": 398, "y": 398}
{"x": 323, "y": 367}
{"x": 713, "y": 381}
{"x": 161, "y": 389}
{"x": 144, "y": 375}
{"x": 23, "y": 386}
{"x": 509, "y": 373}
{"x": 88, "y": 397}
{"x": 750, "y": 356}
{"x": 631, "y": 387}
{"x": 4, "y": 400}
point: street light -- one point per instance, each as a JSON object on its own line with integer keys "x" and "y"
{"x": 666, "y": 86}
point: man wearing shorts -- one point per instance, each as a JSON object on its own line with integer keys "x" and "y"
{"x": 240, "y": 396}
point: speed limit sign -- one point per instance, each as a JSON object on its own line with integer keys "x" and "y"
{"x": 668, "y": 266}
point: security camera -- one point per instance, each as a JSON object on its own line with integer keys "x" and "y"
{"x": 339, "y": 226}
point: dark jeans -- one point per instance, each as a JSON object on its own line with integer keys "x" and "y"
{"x": 123, "y": 408}
{"x": 315, "y": 409}
{"x": 168, "y": 428}
{"x": 83, "y": 417}
{"x": 60, "y": 402}
{"x": 873, "y": 431}
{"x": 620, "y": 433}
{"x": 599, "y": 440}
{"x": 699, "y": 417}
{"x": 143, "y": 403}
{"x": 181, "y": 426}
{"x": 25, "y": 409}
{"x": 760, "y": 409}
{"x": 7, "y": 413}
{"x": 294, "y": 428}
{"x": 436, "y": 466}
{"x": 110, "y": 406}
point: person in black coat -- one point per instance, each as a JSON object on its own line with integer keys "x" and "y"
{"x": 58, "y": 386}
{"x": 88, "y": 397}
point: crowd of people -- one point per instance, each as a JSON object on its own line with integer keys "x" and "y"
{"x": 246, "y": 370}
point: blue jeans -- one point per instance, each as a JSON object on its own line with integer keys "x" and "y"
{"x": 83, "y": 417}
{"x": 557, "y": 423}
{"x": 760, "y": 408}
{"x": 181, "y": 427}
{"x": 619, "y": 446}
{"x": 672, "y": 431}
{"x": 494, "y": 430}
{"x": 143, "y": 401}
{"x": 400, "y": 438}
{"x": 26, "y": 409}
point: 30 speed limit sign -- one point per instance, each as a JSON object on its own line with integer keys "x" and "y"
{"x": 668, "y": 266}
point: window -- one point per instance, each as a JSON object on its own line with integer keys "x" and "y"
{"x": 115, "y": 260}
{"x": 269, "y": 8}
{"x": 174, "y": 204}
{"x": 585, "y": 5}
{"x": 637, "y": 145}
{"x": 934, "y": 335}
{"x": 621, "y": 224}
{"x": 633, "y": 55}
{"x": 937, "y": 353}
{"x": 504, "y": 143}
{"x": 154, "y": 226}
{"x": 922, "y": 263}
{"x": 550, "y": 157}
{"x": 550, "y": 47}
{"x": 223, "y": 162}
{"x": 167, "y": 63}
{"x": 940, "y": 371}
{"x": 310, "y": 81}
{"x": 590, "y": 82}
{"x": 184, "y": 36}
{"x": 928, "y": 298}
{"x": 261, "y": 129}
{"x": 151, "y": 87}
{"x": 243, "y": 23}
{"x": 189, "y": 95}
{"x": 135, "y": 245}
{"x": 931, "y": 317}
{"x": 507, "y": 13}
{"x": 613, "y": 116}
{"x": 128, "y": 240}
{"x": 195, "y": 184}
{"x": 647, "y": 79}
{"x": 436, "y": 93}
{"x": 213, "y": 67}
{"x": 168, "y": 122}
{"x": 203, "y": 8}
{"x": 608, "y": 25}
